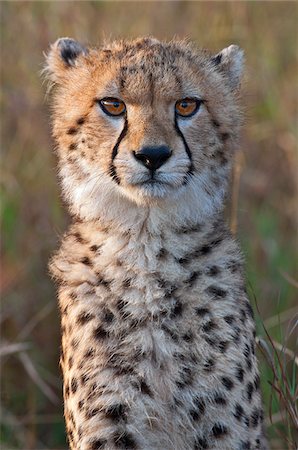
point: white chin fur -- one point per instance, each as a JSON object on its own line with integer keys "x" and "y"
{"x": 100, "y": 198}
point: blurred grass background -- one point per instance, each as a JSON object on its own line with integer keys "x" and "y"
{"x": 263, "y": 207}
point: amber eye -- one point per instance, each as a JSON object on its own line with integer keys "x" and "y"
{"x": 187, "y": 107}
{"x": 113, "y": 106}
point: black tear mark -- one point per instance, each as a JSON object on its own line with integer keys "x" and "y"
{"x": 187, "y": 149}
{"x": 112, "y": 168}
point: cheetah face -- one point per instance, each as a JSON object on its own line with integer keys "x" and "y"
{"x": 143, "y": 120}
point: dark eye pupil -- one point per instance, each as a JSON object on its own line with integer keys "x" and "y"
{"x": 116, "y": 105}
{"x": 184, "y": 105}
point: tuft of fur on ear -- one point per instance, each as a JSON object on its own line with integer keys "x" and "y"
{"x": 65, "y": 54}
{"x": 230, "y": 61}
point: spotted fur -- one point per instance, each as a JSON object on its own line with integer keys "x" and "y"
{"x": 158, "y": 348}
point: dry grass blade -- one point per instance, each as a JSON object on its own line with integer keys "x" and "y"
{"x": 38, "y": 317}
{"x": 7, "y": 349}
{"x": 237, "y": 169}
{"x": 277, "y": 319}
{"x": 289, "y": 279}
{"x": 34, "y": 375}
{"x": 282, "y": 388}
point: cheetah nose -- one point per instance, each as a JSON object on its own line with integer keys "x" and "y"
{"x": 153, "y": 157}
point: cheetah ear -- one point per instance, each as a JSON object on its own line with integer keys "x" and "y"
{"x": 230, "y": 61}
{"x": 64, "y": 55}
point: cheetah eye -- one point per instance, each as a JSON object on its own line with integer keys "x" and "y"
{"x": 187, "y": 107}
{"x": 112, "y": 106}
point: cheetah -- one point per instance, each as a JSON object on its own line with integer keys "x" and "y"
{"x": 158, "y": 348}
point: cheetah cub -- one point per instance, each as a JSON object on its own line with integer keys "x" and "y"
{"x": 158, "y": 349}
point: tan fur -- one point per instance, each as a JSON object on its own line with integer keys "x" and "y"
{"x": 157, "y": 332}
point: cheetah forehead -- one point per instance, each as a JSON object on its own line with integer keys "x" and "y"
{"x": 135, "y": 67}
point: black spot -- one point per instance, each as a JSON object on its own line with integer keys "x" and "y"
{"x": 227, "y": 382}
{"x": 249, "y": 309}
{"x": 72, "y": 146}
{"x": 213, "y": 271}
{"x": 89, "y": 353}
{"x": 189, "y": 229}
{"x": 249, "y": 390}
{"x": 188, "y": 337}
{"x": 92, "y": 412}
{"x": 183, "y": 260}
{"x": 239, "y": 373}
{"x": 219, "y": 430}
{"x": 98, "y": 444}
{"x": 194, "y": 414}
{"x": 216, "y": 291}
{"x": 126, "y": 283}
{"x": 94, "y": 248}
{"x": 145, "y": 389}
{"x": 162, "y": 253}
{"x": 229, "y": 319}
{"x": 257, "y": 382}
{"x": 84, "y": 378}
{"x": 201, "y": 444}
{"x": 102, "y": 282}
{"x": 107, "y": 316}
{"x": 66, "y": 391}
{"x": 121, "y": 305}
{"x": 236, "y": 335}
{"x": 249, "y": 364}
{"x": 86, "y": 261}
{"x": 246, "y": 421}
{"x": 81, "y": 120}
{"x": 79, "y": 238}
{"x": 209, "y": 326}
{"x": 72, "y": 130}
{"x": 193, "y": 277}
{"x": 225, "y": 136}
{"x": 124, "y": 440}
{"x": 170, "y": 290}
{"x": 74, "y": 385}
{"x": 239, "y": 412}
{"x": 100, "y": 333}
{"x": 211, "y": 340}
{"x": 209, "y": 365}
{"x": 243, "y": 316}
{"x": 245, "y": 445}
{"x": 81, "y": 404}
{"x": 254, "y": 418}
{"x": 200, "y": 404}
{"x": 116, "y": 412}
{"x": 220, "y": 400}
{"x": 205, "y": 250}
{"x": 202, "y": 311}
{"x": 186, "y": 378}
{"x": 84, "y": 317}
{"x": 233, "y": 265}
{"x": 172, "y": 333}
{"x": 215, "y": 122}
{"x": 177, "y": 309}
{"x": 70, "y": 436}
{"x": 222, "y": 346}
{"x": 252, "y": 346}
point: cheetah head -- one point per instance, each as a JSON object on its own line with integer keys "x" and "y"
{"x": 144, "y": 122}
